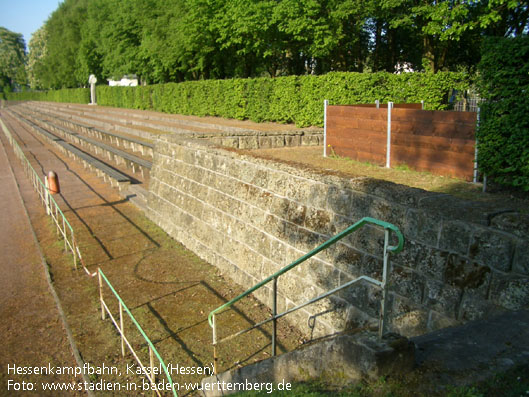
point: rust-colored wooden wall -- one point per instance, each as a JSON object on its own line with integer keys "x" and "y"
{"x": 436, "y": 141}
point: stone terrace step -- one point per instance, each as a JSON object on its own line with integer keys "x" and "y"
{"x": 122, "y": 140}
{"x": 89, "y": 121}
{"x": 209, "y": 123}
{"x": 113, "y": 121}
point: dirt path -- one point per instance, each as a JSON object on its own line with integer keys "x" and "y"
{"x": 168, "y": 289}
{"x": 31, "y": 330}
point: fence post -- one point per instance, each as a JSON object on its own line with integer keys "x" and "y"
{"x": 475, "y": 179}
{"x": 214, "y": 345}
{"x": 101, "y": 295}
{"x": 274, "y": 323}
{"x": 377, "y": 104}
{"x": 388, "y": 143}
{"x": 325, "y": 104}
{"x": 122, "y": 329}
{"x": 383, "y": 303}
{"x": 151, "y": 362}
{"x": 47, "y": 195}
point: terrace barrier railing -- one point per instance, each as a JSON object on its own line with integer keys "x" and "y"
{"x": 64, "y": 227}
{"x": 150, "y": 373}
{"x": 382, "y": 284}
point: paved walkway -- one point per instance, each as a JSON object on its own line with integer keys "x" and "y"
{"x": 31, "y": 331}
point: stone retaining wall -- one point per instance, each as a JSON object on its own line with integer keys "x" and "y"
{"x": 250, "y": 217}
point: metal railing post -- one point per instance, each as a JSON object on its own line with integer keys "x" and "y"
{"x": 47, "y": 196}
{"x": 101, "y": 294}
{"x": 64, "y": 234}
{"x": 274, "y": 313}
{"x": 325, "y": 105}
{"x": 122, "y": 331}
{"x": 383, "y": 302}
{"x": 151, "y": 363}
{"x": 388, "y": 143}
{"x": 214, "y": 345}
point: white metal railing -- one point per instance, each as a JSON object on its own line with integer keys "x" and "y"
{"x": 149, "y": 373}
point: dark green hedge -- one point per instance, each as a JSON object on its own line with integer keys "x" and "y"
{"x": 292, "y": 99}
{"x": 503, "y": 133}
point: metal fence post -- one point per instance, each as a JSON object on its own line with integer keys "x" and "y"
{"x": 325, "y": 105}
{"x": 47, "y": 196}
{"x": 388, "y": 143}
{"x": 383, "y": 303}
{"x": 475, "y": 179}
{"x": 64, "y": 234}
{"x": 214, "y": 345}
{"x": 151, "y": 362}
{"x": 274, "y": 322}
{"x": 101, "y": 295}
{"x": 122, "y": 330}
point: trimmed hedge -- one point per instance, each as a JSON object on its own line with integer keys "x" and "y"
{"x": 72, "y": 95}
{"x": 503, "y": 132}
{"x": 292, "y": 99}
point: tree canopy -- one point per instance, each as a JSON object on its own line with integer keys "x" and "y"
{"x": 175, "y": 40}
{"x": 12, "y": 59}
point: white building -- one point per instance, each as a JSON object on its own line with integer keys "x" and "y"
{"x": 126, "y": 81}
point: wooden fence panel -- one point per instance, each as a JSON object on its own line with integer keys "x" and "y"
{"x": 436, "y": 141}
{"x": 357, "y": 132}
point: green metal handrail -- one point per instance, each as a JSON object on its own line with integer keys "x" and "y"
{"x": 138, "y": 326}
{"x": 388, "y": 227}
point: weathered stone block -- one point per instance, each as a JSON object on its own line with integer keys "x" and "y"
{"x": 443, "y": 298}
{"x": 408, "y": 283}
{"x": 474, "y": 306}
{"x": 462, "y": 273}
{"x": 230, "y": 142}
{"x": 278, "y": 251}
{"x": 369, "y": 239}
{"x": 296, "y": 213}
{"x": 514, "y": 223}
{"x": 345, "y": 258}
{"x": 324, "y": 276}
{"x": 310, "y": 140}
{"x": 260, "y": 178}
{"x": 521, "y": 258}
{"x": 407, "y": 318}
{"x": 364, "y": 296}
{"x": 292, "y": 140}
{"x": 318, "y": 220}
{"x": 510, "y": 292}
{"x": 430, "y": 262}
{"x": 421, "y": 227}
{"x": 308, "y": 240}
{"x": 437, "y": 321}
{"x": 339, "y": 201}
{"x": 248, "y": 142}
{"x": 455, "y": 237}
{"x": 493, "y": 249}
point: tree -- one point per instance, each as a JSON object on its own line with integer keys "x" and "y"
{"x": 63, "y": 28}
{"x": 36, "y": 54}
{"x": 12, "y": 59}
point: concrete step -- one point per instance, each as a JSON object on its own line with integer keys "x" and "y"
{"x": 137, "y": 195}
{"x": 339, "y": 360}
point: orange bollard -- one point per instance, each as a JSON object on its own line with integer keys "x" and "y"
{"x": 53, "y": 183}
